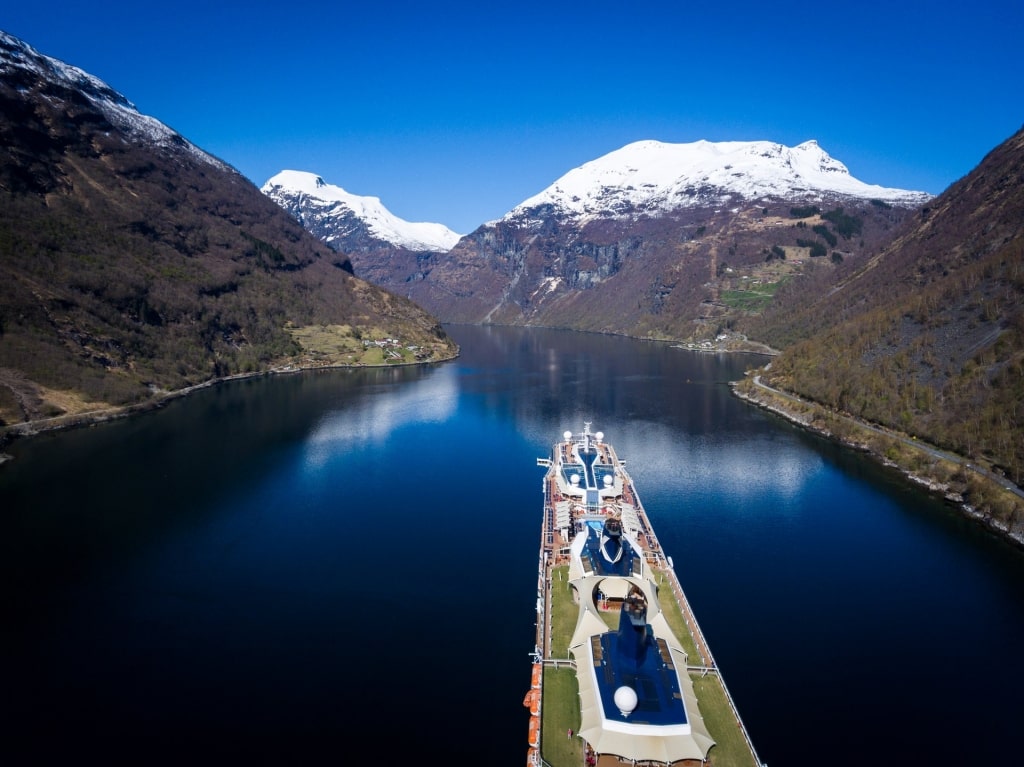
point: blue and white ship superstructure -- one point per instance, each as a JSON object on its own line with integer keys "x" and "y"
{"x": 637, "y": 700}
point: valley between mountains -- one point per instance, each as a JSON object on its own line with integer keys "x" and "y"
{"x": 136, "y": 266}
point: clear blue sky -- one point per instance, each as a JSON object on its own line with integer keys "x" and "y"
{"x": 456, "y": 112}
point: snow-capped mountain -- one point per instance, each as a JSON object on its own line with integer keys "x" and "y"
{"x": 139, "y": 264}
{"x": 335, "y": 215}
{"x": 18, "y": 60}
{"x": 649, "y": 239}
{"x": 652, "y": 177}
{"x": 639, "y": 241}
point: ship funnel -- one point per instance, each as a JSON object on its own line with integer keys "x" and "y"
{"x": 611, "y": 540}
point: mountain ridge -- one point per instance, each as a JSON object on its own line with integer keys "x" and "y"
{"x": 552, "y": 259}
{"x": 18, "y": 58}
{"x": 646, "y": 177}
{"x": 133, "y": 264}
{"x": 652, "y": 177}
{"x": 330, "y": 208}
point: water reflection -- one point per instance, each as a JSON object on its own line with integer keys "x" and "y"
{"x": 197, "y": 575}
{"x": 433, "y": 397}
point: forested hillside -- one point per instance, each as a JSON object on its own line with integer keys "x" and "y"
{"x": 927, "y": 337}
{"x": 132, "y": 263}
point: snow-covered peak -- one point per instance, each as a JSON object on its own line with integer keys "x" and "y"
{"x": 288, "y": 185}
{"x": 653, "y": 177}
{"x": 18, "y": 56}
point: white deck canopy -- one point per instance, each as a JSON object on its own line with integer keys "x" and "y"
{"x": 639, "y": 742}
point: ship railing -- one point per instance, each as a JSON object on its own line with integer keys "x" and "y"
{"x": 543, "y": 602}
{"x": 709, "y": 661}
{"x": 557, "y": 663}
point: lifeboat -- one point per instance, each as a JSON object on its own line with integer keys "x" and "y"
{"x": 535, "y": 731}
{"x": 532, "y": 757}
{"x": 532, "y": 702}
{"x": 535, "y": 680}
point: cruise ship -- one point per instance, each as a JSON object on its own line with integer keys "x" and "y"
{"x": 621, "y": 671}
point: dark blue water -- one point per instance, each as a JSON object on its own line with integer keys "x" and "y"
{"x": 340, "y": 566}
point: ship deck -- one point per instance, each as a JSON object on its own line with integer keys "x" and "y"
{"x": 564, "y": 516}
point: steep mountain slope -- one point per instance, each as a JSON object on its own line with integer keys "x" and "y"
{"x": 335, "y": 215}
{"x": 132, "y": 262}
{"x": 927, "y": 336}
{"x": 675, "y": 241}
{"x": 379, "y": 244}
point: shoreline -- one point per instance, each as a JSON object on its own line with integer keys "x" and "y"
{"x": 23, "y": 429}
{"x": 922, "y": 464}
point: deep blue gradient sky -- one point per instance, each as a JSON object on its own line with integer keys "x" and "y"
{"x": 456, "y": 112}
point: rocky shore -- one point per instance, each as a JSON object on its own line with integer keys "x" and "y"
{"x": 979, "y": 493}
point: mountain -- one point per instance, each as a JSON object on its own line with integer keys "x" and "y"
{"x": 339, "y": 217}
{"x": 80, "y": 98}
{"x": 133, "y": 263}
{"x": 656, "y": 240}
{"x": 927, "y": 335}
{"x": 651, "y": 178}
{"x": 383, "y": 248}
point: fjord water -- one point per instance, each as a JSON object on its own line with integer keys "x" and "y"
{"x": 341, "y": 566}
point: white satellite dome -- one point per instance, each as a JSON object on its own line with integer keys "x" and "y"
{"x": 625, "y": 700}
{"x": 567, "y": 435}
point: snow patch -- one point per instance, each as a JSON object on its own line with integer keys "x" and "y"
{"x": 657, "y": 177}
{"x": 16, "y": 54}
{"x": 379, "y": 220}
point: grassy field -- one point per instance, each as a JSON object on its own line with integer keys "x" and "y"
{"x": 560, "y": 712}
{"x": 674, "y": 616}
{"x": 563, "y": 613}
{"x": 753, "y": 300}
{"x": 342, "y": 345}
{"x": 730, "y": 749}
